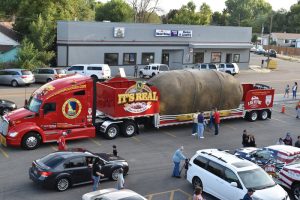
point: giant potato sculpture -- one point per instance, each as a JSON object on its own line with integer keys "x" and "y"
{"x": 188, "y": 91}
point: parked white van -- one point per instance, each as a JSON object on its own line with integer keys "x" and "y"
{"x": 98, "y": 71}
{"x": 228, "y": 177}
{"x": 153, "y": 69}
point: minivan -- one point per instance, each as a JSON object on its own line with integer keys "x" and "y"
{"x": 16, "y": 77}
{"x": 97, "y": 71}
{"x": 228, "y": 177}
{"x": 45, "y": 75}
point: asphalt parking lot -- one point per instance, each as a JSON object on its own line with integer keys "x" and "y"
{"x": 149, "y": 154}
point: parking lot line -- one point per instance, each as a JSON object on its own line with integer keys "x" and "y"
{"x": 4, "y": 153}
{"x": 170, "y": 134}
{"x": 95, "y": 141}
{"x": 187, "y": 194}
{"x": 136, "y": 139}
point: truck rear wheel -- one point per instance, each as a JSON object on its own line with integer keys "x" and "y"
{"x": 31, "y": 141}
{"x": 252, "y": 116}
{"x": 129, "y": 128}
{"x": 112, "y": 131}
{"x": 263, "y": 114}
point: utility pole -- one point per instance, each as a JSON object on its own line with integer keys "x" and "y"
{"x": 135, "y": 13}
{"x": 270, "y": 40}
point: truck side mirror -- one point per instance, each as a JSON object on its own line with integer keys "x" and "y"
{"x": 41, "y": 113}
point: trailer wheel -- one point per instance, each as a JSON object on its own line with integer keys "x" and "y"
{"x": 296, "y": 191}
{"x": 252, "y": 116}
{"x": 263, "y": 115}
{"x": 112, "y": 131}
{"x": 129, "y": 128}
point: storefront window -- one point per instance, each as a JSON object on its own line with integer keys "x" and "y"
{"x": 147, "y": 58}
{"x": 216, "y": 57}
{"x": 198, "y": 57}
{"x": 111, "y": 59}
{"x": 129, "y": 58}
{"x": 236, "y": 58}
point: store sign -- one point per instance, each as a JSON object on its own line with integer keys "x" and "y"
{"x": 119, "y": 32}
{"x": 173, "y": 33}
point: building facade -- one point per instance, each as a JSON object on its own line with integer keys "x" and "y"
{"x": 130, "y": 44}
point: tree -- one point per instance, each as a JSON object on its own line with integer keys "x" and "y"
{"x": 294, "y": 18}
{"x": 280, "y": 21}
{"x": 28, "y": 55}
{"x": 254, "y": 38}
{"x": 170, "y": 15}
{"x": 247, "y": 12}
{"x": 8, "y": 8}
{"x": 144, "y": 9}
{"x": 220, "y": 19}
{"x": 186, "y": 15}
{"x": 205, "y": 14}
{"x": 115, "y": 11}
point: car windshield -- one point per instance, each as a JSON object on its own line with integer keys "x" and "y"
{"x": 34, "y": 104}
{"x": 256, "y": 179}
{"x": 51, "y": 160}
{"x": 60, "y": 71}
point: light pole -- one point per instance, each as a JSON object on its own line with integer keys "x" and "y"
{"x": 135, "y": 13}
{"x": 270, "y": 40}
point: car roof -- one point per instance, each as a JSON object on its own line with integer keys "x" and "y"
{"x": 16, "y": 69}
{"x": 227, "y": 159}
{"x": 287, "y": 149}
{"x": 69, "y": 154}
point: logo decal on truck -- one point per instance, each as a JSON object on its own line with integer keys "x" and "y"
{"x": 137, "y": 98}
{"x": 268, "y": 100}
{"x": 254, "y": 102}
{"x": 71, "y": 108}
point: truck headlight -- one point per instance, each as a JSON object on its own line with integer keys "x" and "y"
{"x": 13, "y": 134}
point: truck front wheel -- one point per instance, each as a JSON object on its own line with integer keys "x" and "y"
{"x": 296, "y": 191}
{"x": 31, "y": 141}
{"x": 129, "y": 128}
{"x": 112, "y": 131}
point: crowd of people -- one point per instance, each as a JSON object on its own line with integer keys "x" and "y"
{"x": 294, "y": 91}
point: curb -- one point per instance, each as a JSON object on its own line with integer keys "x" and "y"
{"x": 259, "y": 69}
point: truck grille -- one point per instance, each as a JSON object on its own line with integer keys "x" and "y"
{"x": 3, "y": 126}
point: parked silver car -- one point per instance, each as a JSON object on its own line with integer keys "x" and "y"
{"x": 45, "y": 75}
{"x": 16, "y": 77}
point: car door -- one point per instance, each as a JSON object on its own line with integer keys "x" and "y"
{"x": 147, "y": 70}
{"x": 215, "y": 178}
{"x": 78, "y": 169}
{"x": 229, "y": 191}
{"x": 2, "y": 73}
{"x": 222, "y": 67}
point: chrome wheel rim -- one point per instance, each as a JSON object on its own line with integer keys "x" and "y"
{"x": 114, "y": 174}
{"x": 14, "y": 84}
{"x": 112, "y": 132}
{"x": 31, "y": 141}
{"x": 264, "y": 115}
{"x": 254, "y": 116}
{"x": 130, "y": 130}
{"x": 62, "y": 184}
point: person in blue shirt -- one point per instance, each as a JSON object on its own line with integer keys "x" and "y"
{"x": 249, "y": 194}
{"x": 177, "y": 158}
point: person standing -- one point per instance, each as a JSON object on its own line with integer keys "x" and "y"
{"x": 96, "y": 174}
{"x": 245, "y": 139}
{"x": 288, "y": 139}
{"x": 195, "y": 123}
{"x": 298, "y": 110}
{"x": 200, "y": 125}
{"x": 252, "y": 141}
{"x": 294, "y": 90}
{"x": 177, "y": 158}
{"x": 136, "y": 67}
{"x": 287, "y": 91}
{"x": 62, "y": 146}
{"x": 198, "y": 194}
{"x": 280, "y": 142}
{"x": 115, "y": 152}
{"x": 217, "y": 121}
{"x": 297, "y": 144}
{"x": 249, "y": 194}
{"x": 211, "y": 119}
{"x": 120, "y": 181}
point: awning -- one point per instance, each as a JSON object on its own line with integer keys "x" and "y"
{"x": 220, "y": 45}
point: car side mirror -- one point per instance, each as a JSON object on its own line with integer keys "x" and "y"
{"x": 233, "y": 184}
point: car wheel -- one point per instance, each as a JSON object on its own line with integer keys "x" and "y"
{"x": 129, "y": 128}
{"x": 62, "y": 184}
{"x": 141, "y": 75}
{"x": 197, "y": 182}
{"x": 94, "y": 77}
{"x": 5, "y": 111}
{"x": 31, "y": 141}
{"x": 112, "y": 131}
{"x": 252, "y": 116}
{"x": 153, "y": 74}
{"x": 14, "y": 83}
{"x": 114, "y": 174}
{"x": 296, "y": 191}
{"x": 49, "y": 80}
{"x": 263, "y": 115}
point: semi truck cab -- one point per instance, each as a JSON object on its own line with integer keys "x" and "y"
{"x": 64, "y": 104}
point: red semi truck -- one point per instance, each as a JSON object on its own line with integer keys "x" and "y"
{"x": 84, "y": 107}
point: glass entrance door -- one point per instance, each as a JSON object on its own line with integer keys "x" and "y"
{"x": 165, "y": 58}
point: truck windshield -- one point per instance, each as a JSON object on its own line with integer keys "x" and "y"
{"x": 256, "y": 179}
{"x": 34, "y": 104}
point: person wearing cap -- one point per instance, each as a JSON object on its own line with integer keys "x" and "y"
{"x": 249, "y": 194}
{"x": 96, "y": 174}
{"x": 177, "y": 158}
{"x": 62, "y": 146}
{"x": 288, "y": 139}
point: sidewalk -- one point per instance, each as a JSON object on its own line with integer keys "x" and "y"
{"x": 288, "y": 58}
{"x": 278, "y": 98}
{"x": 259, "y": 69}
